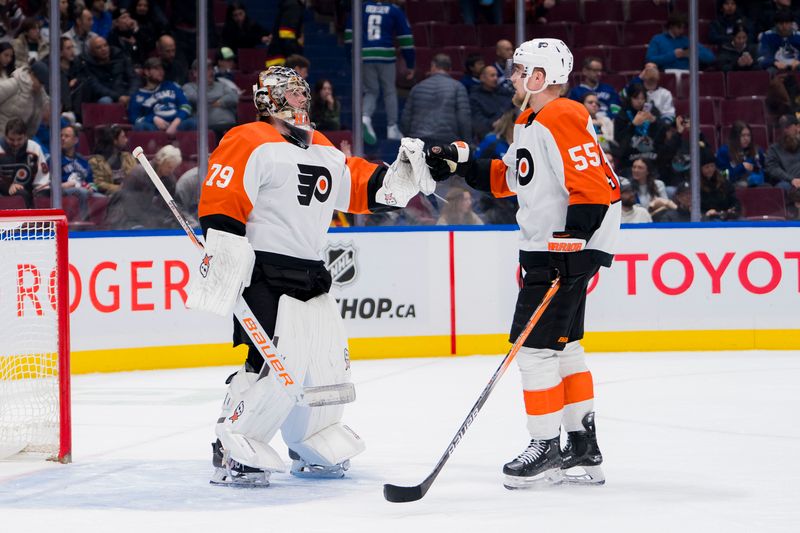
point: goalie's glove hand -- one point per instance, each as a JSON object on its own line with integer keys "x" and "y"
{"x": 443, "y": 159}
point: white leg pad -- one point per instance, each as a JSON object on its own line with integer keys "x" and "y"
{"x": 334, "y": 444}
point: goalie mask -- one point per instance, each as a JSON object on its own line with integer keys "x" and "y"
{"x": 550, "y": 55}
{"x": 281, "y": 93}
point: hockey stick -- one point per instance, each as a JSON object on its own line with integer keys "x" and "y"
{"x": 306, "y": 396}
{"x": 397, "y": 494}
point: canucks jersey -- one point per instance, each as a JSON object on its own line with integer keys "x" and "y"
{"x": 556, "y": 162}
{"x": 381, "y": 24}
{"x": 284, "y": 195}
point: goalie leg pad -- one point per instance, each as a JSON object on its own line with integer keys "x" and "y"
{"x": 253, "y": 410}
{"x": 331, "y": 446}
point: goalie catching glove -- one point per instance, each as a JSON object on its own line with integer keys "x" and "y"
{"x": 407, "y": 176}
{"x": 224, "y": 273}
{"x": 443, "y": 159}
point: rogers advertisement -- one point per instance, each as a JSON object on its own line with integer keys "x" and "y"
{"x": 128, "y": 292}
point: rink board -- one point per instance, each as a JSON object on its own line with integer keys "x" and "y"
{"x": 442, "y": 291}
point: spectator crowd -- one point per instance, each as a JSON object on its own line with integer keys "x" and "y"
{"x": 133, "y": 65}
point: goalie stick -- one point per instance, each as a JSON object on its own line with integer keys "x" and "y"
{"x": 398, "y": 494}
{"x": 307, "y": 396}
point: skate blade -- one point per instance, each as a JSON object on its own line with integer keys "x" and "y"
{"x": 302, "y": 470}
{"x": 546, "y": 478}
{"x": 221, "y": 478}
{"x": 585, "y": 475}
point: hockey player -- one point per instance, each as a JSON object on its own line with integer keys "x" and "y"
{"x": 265, "y": 207}
{"x": 569, "y": 216}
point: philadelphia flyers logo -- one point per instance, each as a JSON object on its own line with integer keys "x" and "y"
{"x": 315, "y": 182}
{"x": 237, "y": 412}
{"x": 524, "y": 166}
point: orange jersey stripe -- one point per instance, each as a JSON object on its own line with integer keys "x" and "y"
{"x": 223, "y": 191}
{"x": 545, "y": 401}
{"x": 524, "y": 116}
{"x": 360, "y": 172}
{"x": 578, "y": 387}
{"x": 584, "y": 166}
{"x": 497, "y": 178}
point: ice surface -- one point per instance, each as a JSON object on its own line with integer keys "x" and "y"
{"x": 691, "y": 441}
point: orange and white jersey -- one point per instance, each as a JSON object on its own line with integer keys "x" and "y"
{"x": 283, "y": 195}
{"x": 553, "y": 163}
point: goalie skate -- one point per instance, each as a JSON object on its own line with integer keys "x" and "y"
{"x": 301, "y": 468}
{"x": 581, "y": 457}
{"x": 539, "y": 464}
{"x": 234, "y": 474}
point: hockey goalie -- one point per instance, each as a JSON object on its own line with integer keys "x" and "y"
{"x": 265, "y": 208}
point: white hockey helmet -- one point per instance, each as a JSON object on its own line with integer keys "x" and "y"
{"x": 269, "y": 96}
{"x": 551, "y": 55}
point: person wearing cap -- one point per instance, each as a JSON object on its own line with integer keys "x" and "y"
{"x": 670, "y": 49}
{"x": 23, "y": 96}
{"x": 126, "y": 36}
{"x": 222, "y": 101}
{"x": 160, "y": 105}
{"x": 780, "y": 46}
{"x": 717, "y": 194}
{"x": 109, "y": 75}
{"x": 682, "y": 210}
{"x": 782, "y": 165}
{"x": 225, "y": 67}
{"x": 632, "y": 212}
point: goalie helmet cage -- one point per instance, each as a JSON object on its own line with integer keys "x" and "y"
{"x": 34, "y": 335}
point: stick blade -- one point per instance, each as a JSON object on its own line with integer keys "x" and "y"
{"x": 397, "y": 494}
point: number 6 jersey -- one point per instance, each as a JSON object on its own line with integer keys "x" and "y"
{"x": 282, "y": 195}
{"x": 559, "y": 174}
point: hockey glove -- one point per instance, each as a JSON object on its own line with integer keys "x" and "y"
{"x": 564, "y": 256}
{"x": 443, "y": 159}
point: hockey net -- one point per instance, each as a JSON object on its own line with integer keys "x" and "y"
{"x": 34, "y": 335}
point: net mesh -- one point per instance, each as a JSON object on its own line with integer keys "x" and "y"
{"x": 29, "y": 380}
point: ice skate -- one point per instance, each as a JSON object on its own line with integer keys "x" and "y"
{"x": 301, "y": 468}
{"x": 234, "y": 474}
{"x": 581, "y": 457}
{"x": 369, "y": 132}
{"x": 539, "y": 464}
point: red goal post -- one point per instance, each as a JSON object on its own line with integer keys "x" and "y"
{"x": 35, "y": 413}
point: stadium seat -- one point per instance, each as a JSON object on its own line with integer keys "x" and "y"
{"x": 69, "y": 204}
{"x": 639, "y": 33}
{"x": 617, "y": 81}
{"x": 84, "y": 144}
{"x": 669, "y": 81}
{"x": 12, "y": 202}
{"x": 452, "y": 35}
{"x": 597, "y": 34}
{"x": 252, "y": 59}
{"x": 710, "y": 84}
{"x": 336, "y": 137}
{"x": 220, "y": 10}
{"x": 421, "y": 34}
{"x": 709, "y": 132}
{"x": 459, "y": 54}
{"x": 489, "y": 34}
{"x": 708, "y": 111}
{"x": 426, "y": 11}
{"x": 551, "y": 30}
{"x": 747, "y": 83}
{"x": 564, "y": 11}
{"x": 603, "y": 10}
{"x": 245, "y": 112}
{"x": 98, "y": 205}
{"x": 245, "y": 81}
{"x": 705, "y": 10}
{"x": 423, "y": 61}
{"x": 645, "y": 10}
{"x": 150, "y": 141}
{"x": 580, "y": 54}
{"x": 762, "y": 203}
{"x": 187, "y": 142}
{"x": 757, "y": 131}
{"x": 626, "y": 59}
{"x": 103, "y": 114}
{"x": 751, "y": 110}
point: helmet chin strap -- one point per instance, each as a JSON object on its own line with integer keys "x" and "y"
{"x": 529, "y": 93}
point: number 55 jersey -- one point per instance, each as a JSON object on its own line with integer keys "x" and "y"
{"x": 560, "y": 176}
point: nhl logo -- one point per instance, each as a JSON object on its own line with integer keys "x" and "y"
{"x": 340, "y": 260}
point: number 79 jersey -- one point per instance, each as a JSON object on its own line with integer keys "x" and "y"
{"x": 554, "y": 162}
{"x": 282, "y": 196}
